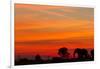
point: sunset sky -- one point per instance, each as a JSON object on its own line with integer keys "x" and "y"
{"x": 43, "y": 29}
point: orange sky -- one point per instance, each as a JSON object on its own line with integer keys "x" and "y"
{"x": 52, "y": 26}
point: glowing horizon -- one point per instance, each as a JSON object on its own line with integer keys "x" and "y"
{"x": 52, "y": 27}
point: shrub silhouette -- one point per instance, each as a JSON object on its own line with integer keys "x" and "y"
{"x": 38, "y": 59}
{"x": 24, "y": 61}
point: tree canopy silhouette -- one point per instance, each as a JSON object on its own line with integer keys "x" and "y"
{"x": 63, "y": 52}
{"x": 81, "y": 53}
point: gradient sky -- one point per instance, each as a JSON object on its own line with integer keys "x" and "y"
{"x": 42, "y": 28}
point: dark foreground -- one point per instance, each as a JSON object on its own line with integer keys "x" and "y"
{"x": 55, "y": 60}
{"x": 79, "y": 55}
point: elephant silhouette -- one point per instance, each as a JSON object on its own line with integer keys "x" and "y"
{"x": 81, "y": 53}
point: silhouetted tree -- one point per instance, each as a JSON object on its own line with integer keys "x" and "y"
{"x": 85, "y": 53}
{"x": 81, "y": 53}
{"x": 78, "y": 52}
{"x": 63, "y": 52}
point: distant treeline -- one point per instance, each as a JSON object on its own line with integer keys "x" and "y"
{"x": 64, "y": 56}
